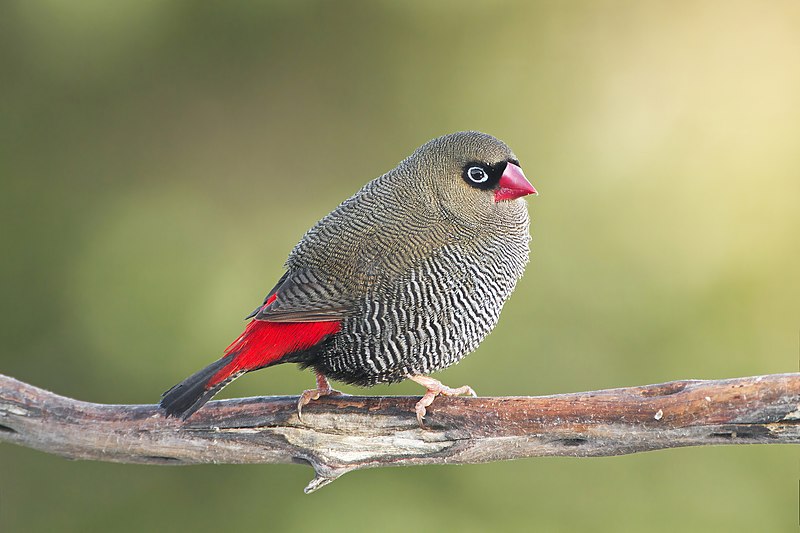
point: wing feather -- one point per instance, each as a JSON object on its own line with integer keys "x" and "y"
{"x": 304, "y": 295}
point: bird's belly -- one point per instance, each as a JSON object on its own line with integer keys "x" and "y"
{"x": 427, "y": 320}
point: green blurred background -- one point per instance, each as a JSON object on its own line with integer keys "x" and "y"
{"x": 158, "y": 160}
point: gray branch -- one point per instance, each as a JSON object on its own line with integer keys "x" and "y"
{"x": 342, "y": 433}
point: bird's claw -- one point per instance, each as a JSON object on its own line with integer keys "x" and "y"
{"x": 323, "y": 389}
{"x": 435, "y": 388}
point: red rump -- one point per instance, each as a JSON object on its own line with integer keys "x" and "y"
{"x": 263, "y": 343}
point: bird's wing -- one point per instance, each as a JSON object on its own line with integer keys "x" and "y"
{"x": 304, "y": 296}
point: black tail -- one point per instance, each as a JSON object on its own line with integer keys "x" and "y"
{"x": 191, "y": 394}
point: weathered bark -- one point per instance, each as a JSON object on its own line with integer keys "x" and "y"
{"x": 342, "y": 433}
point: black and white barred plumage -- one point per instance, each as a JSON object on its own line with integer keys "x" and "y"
{"x": 422, "y": 261}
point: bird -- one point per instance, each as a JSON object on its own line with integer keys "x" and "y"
{"x": 402, "y": 279}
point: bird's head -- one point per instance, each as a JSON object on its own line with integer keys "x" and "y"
{"x": 472, "y": 175}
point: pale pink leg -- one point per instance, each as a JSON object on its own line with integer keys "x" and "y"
{"x": 323, "y": 389}
{"x": 435, "y": 388}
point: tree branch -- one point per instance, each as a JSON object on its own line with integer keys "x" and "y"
{"x": 343, "y": 433}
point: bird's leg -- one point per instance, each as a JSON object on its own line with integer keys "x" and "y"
{"x": 435, "y": 388}
{"x": 323, "y": 389}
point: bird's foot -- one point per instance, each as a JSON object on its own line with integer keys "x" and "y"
{"x": 323, "y": 389}
{"x": 435, "y": 388}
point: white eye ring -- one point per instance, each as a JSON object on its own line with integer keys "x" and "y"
{"x": 477, "y": 174}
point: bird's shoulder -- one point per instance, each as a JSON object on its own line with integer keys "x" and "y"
{"x": 389, "y": 221}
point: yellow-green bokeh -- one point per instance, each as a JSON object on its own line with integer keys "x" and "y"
{"x": 158, "y": 160}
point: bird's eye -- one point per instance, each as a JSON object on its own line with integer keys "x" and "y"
{"x": 477, "y": 175}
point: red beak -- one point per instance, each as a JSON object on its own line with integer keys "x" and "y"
{"x": 513, "y": 184}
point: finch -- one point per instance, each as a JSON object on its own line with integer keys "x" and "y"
{"x": 404, "y": 278}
